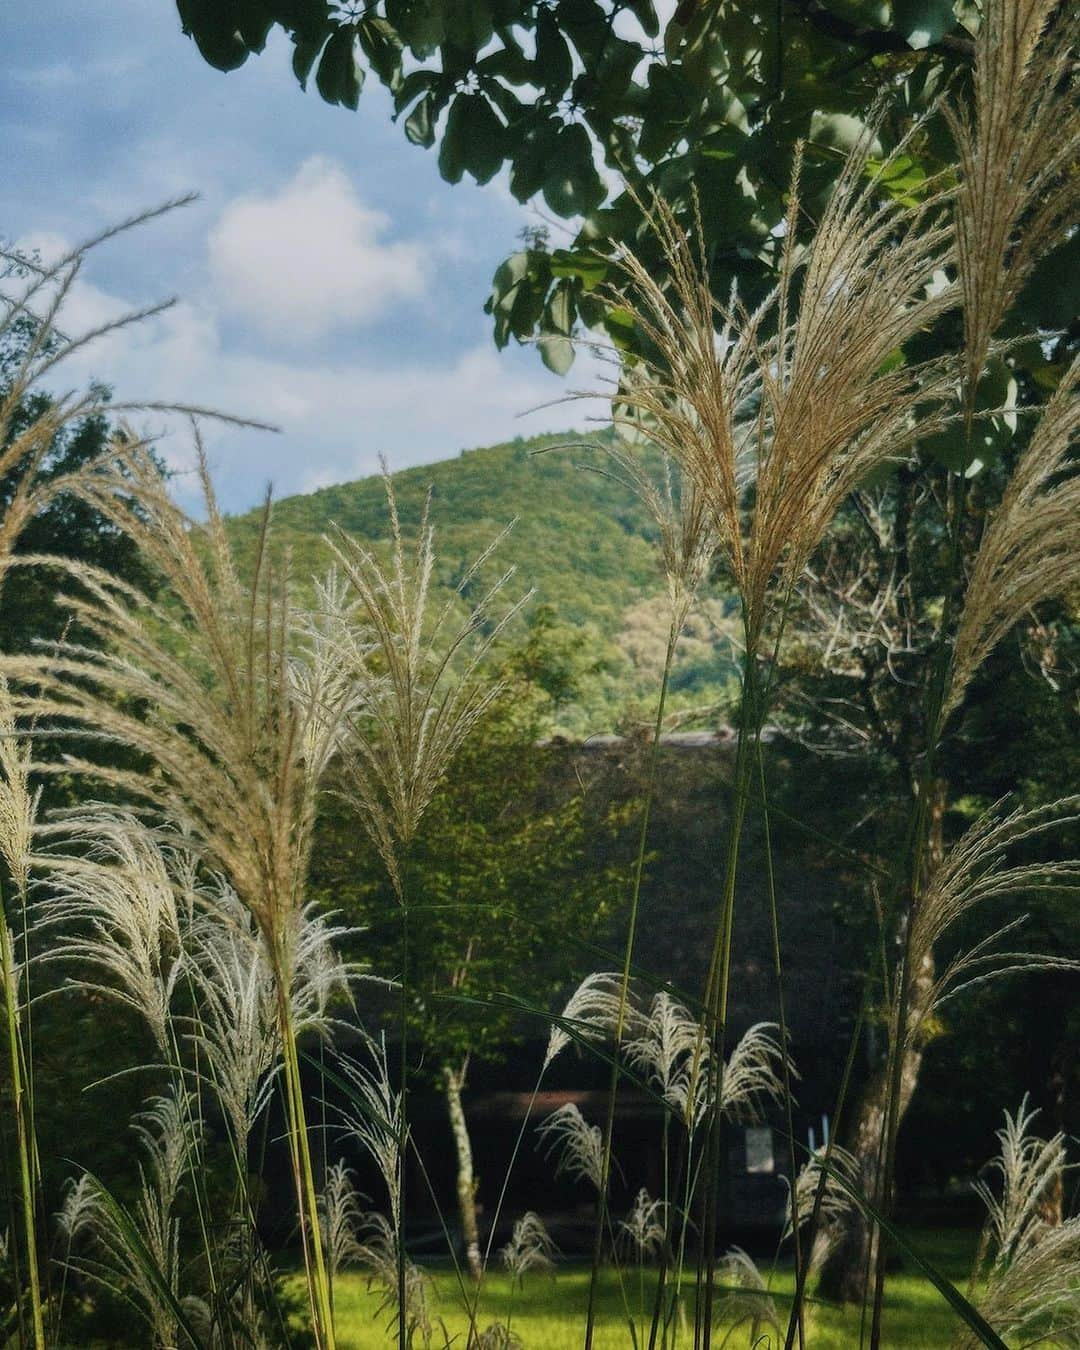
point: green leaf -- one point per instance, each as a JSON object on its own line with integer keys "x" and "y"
{"x": 589, "y": 268}
{"x": 338, "y": 78}
{"x": 420, "y": 123}
{"x": 215, "y": 26}
{"x": 572, "y": 186}
{"x": 303, "y": 58}
{"x": 554, "y": 67}
{"x": 557, "y": 353}
{"x": 382, "y": 47}
{"x": 474, "y": 140}
{"x": 533, "y": 154}
{"x": 619, "y": 323}
{"x": 133, "y": 1241}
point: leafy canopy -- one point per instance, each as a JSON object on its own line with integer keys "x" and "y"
{"x": 578, "y": 96}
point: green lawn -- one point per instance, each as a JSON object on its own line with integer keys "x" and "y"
{"x": 549, "y": 1313}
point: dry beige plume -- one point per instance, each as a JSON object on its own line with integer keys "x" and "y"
{"x": 31, "y": 311}
{"x": 1030, "y": 551}
{"x": 1017, "y": 149}
{"x": 804, "y": 396}
{"x": 200, "y": 690}
{"x": 417, "y": 676}
{"x": 976, "y": 870}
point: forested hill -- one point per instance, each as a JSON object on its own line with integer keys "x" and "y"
{"x": 582, "y": 540}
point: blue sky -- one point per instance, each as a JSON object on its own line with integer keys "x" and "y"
{"x": 327, "y": 279}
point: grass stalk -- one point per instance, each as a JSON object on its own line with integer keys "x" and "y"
{"x": 778, "y": 969}
{"x": 315, "y": 1269}
{"x": 22, "y": 1124}
{"x": 624, "y": 986}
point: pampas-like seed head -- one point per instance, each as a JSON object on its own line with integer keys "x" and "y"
{"x": 1031, "y": 1289}
{"x": 592, "y": 1012}
{"x": 1030, "y": 550}
{"x": 579, "y": 1146}
{"x": 810, "y": 410}
{"x": 1017, "y": 148}
{"x": 420, "y": 673}
{"x": 975, "y": 870}
{"x": 531, "y": 1248}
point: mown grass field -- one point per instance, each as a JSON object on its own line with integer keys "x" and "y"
{"x": 549, "y": 1313}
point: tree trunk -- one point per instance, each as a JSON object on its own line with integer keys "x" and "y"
{"x": 454, "y": 1081}
{"x": 844, "y": 1271}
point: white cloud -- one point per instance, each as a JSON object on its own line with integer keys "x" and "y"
{"x": 309, "y": 259}
{"x": 336, "y": 417}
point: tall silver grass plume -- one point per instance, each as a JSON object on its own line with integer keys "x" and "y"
{"x": 375, "y": 1121}
{"x": 745, "y": 1301}
{"x": 340, "y": 1217}
{"x": 420, "y": 674}
{"x": 1032, "y": 1273}
{"x": 531, "y": 1248}
{"x": 644, "y": 1227}
{"x": 664, "y": 1051}
{"x": 836, "y": 1198}
{"x": 809, "y": 411}
{"x": 1018, "y": 190}
{"x": 18, "y": 800}
{"x": 976, "y": 869}
{"x": 33, "y": 305}
{"x": 379, "y": 1253}
{"x": 578, "y": 1146}
{"x": 148, "y": 1264}
{"x": 201, "y": 689}
{"x": 110, "y": 907}
{"x": 753, "y": 1074}
{"x": 591, "y": 1012}
{"x": 237, "y": 1028}
{"x": 74, "y": 1215}
{"x": 1030, "y": 550}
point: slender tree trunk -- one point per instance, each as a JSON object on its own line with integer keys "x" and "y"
{"x": 454, "y": 1081}
{"x": 844, "y": 1271}
{"x": 843, "y": 1274}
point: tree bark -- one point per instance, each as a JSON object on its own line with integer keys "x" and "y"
{"x": 843, "y": 1273}
{"x": 454, "y": 1082}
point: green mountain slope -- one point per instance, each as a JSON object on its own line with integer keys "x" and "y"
{"x": 581, "y": 540}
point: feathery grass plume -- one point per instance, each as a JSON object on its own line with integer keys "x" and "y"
{"x": 816, "y": 405}
{"x": 644, "y": 1228}
{"x": 531, "y": 1248}
{"x": 340, "y": 1216}
{"x": 18, "y": 812}
{"x": 421, "y": 672}
{"x": 114, "y": 908}
{"x": 1030, "y": 550}
{"x": 201, "y": 691}
{"x": 1017, "y": 147}
{"x": 30, "y": 318}
{"x": 752, "y": 1072}
{"x": 143, "y": 1263}
{"x": 374, "y": 1118}
{"x": 745, "y": 1301}
{"x": 592, "y": 1012}
{"x": 237, "y": 1026}
{"x": 1032, "y": 1278}
{"x": 975, "y": 870}
{"x": 664, "y": 1051}
{"x": 836, "y": 1199}
{"x": 379, "y": 1253}
{"x": 578, "y": 1144}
